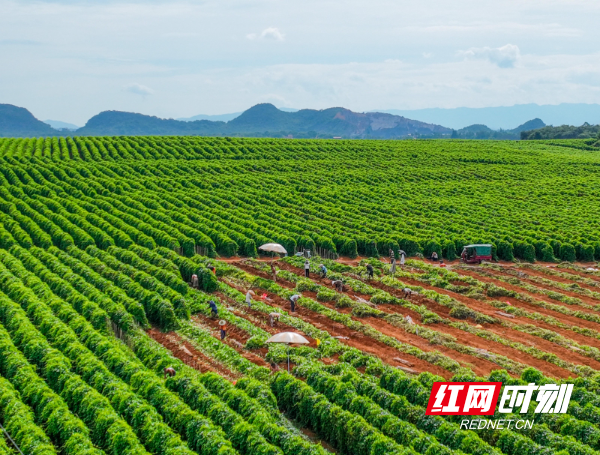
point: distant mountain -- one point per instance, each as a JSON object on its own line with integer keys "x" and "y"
{"x": 225, "y": 117}
{"x": 265, "y": 120}
{"x": 19, "y": 122}
{"x": 479, "y": 131}
{"x": 505, "y": 117}
{"x": 116, "y": 123}
{"x": 530, "y": 125}
{"x": 262, "y": 120}
{"x": 212, "y": 118}
{"x": 58, "y": 125}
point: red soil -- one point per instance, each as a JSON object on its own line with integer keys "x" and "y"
{"x": 354, "y": 339}
{"x": 480, "y": 366}
{"x": 189, "y": 355}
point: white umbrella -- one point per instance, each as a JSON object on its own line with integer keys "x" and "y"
{"x": 275, "y": 247}
{"x": 288, "y": 338}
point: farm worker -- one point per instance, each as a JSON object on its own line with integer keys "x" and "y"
{"x": 306, "y": 268}
{"x": 195, "y": 281}
{"x": 392, "y": 255}
{"x": 323, "y": 270}
{"x": 409, "y": 320}
{"x": 434, "y": 256}
{"x": 402, "y": 257}
{"x": 249, "y": 295}
{"x": 393, "y": 268}
{"x": 214, "y": 312}
{"x": 338, "y": 285}
{"x": 274, "y": 367}
{"x": 407, "y": 293}
{"x": 169, "y": 371}
{"x": 442, "y": 263}
{"x": 274, "y": 317}
{"x": 370, "y": 270}
{"x": 213, "y": 269}
{"x": 223, "y": 327}
{"x": 274, "y": 272}
{"x": 293, "y": 300}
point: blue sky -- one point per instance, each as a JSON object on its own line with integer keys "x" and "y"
{"x": 68, "y": 60}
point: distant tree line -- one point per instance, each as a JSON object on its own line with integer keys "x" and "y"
{"x": 585, "y": 131}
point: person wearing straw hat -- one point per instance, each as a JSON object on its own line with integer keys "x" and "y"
{"x": 223, "y": 327}
{"x": 249, "y": 295}
{"x": 402, "y": 254}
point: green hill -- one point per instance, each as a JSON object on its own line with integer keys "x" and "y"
{"x": 19, "y": 122}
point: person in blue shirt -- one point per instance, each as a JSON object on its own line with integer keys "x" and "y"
{"x": 213, "y": 308}
{"x": 323, "y": 271}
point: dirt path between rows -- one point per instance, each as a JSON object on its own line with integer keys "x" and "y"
{"x": 585, "y": 299}
{"x": 572, "y": 320}
{"x": 580, "y": 273}
{"x": 347, "y": 336}
{"x": 188, "y": 354}
{"x": 236, "y": 338}
{"x": 463, "y": 337}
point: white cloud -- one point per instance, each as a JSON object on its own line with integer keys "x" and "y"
{"x": 139, "y": 89}
{"x": 505, "y": 56}
{"x": 271, "y": 33}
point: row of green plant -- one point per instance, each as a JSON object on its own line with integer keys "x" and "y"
{"x": 142, "y": 417}
{"x": 64, "y": 282}
{"x": 63, "y": 427}
{"x": 195, "y": 394}
{"x": 110, "y": 181}
{"x": 108, "y": 430}
{"x": 349, "y": 433}
{"x": 18, "y": 420}
{"x": 347, "y": 390}
{"x": 158, "y": 310}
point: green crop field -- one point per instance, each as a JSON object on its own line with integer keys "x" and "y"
{"x": 532, "y": 200}
{"x": 100, "y": 238}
